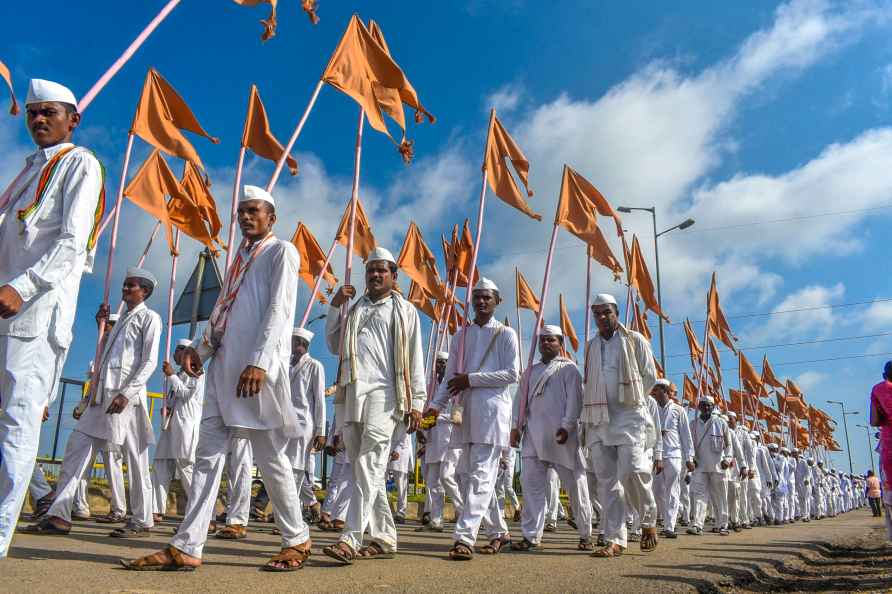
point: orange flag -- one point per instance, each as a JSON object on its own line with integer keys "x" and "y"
{"x": 578, "y": 214}
{"x": 690, "y": 391}
{"x": 257, "y": 136}
{"x": 309, "y": 7}
{"x": 718, "y": 324}
{"x": 639, "y": 277}
{"x": 362, "y": 68}
{"x": 524, "y": 295}
{"x": 4, "y": 72}
{"x": 312, "y": 258}
{"x": 500, "y": 146}
{"x": 693, "y": 346}
{"x": 269, "y": 24}
{"x": 751, "y": 380}
{"x": 420, "y": 299}
{"x": 195, "y": 186}
{"x": 363, "y": 240}
{"x": 419, "y": 263}
{"x": 601, "y": 204}
{"x": 567, "y": 326}
{"x": 160, "y": 116}
{"x": 463, "y": 251}
{"x": 639, "y": 321}
{"x": 768, "y": 376}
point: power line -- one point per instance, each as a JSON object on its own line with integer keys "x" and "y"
{"x": 797, "y": 343}
{"x": 787, "y": 220}
{"x": 794, "y": 310}
{"x": 804, "y": 362}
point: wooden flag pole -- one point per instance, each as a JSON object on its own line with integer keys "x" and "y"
{"x": 519, "y": 328}
{"x": 170, "y": 295}
{"x": 317, "y": 285}
{"x": 233, "y": 214}
{"x": 588, "y": 307}
{"x": 300, "y": 126}
{"x": 128, "y": 53}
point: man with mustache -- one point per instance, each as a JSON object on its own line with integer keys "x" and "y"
{"x": 47, "y": 222}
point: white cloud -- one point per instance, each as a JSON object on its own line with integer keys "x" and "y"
{"x": 807, "y": 314}
{"x": 810, "y": 380}
{"x": 878, "y": 316}
{"x": 505, "y": 100}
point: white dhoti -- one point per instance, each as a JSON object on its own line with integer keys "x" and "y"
{"x": 624, "y": 478}
{"x": 667, "y": 491}
{"x": 478, "y": 497}
{"x": 706, "y": 488}
{"x": 534, "y": 479}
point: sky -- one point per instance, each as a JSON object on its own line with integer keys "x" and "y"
{"x": 765, "y": 122}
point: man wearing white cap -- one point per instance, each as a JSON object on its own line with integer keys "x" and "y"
{"x": 115, "y": 416}
{"x": 738, "y": 494}
{"x": 381, "y": 390}
{"x": 782, "y": 487}
{"x": 678, "y": 451}
{"x": 553, "y": 393}
{"x": 175, "y": 452}
{"x": 47, "y": 220}
{"x": 803, "y": 487}
{"x": 620, "y": 373}
{"x": 760, "y": 478}
{"x": 790, "y": 503}
{"x": 713, "y": 452}
{"x": 247, "y": 392}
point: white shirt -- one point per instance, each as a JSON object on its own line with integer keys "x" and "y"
{"x": 557, "y": 407}
{"x": 487, "y": 404}
{"x": 308, "y": 402}
{"x": 677, "y": 443}
{"x": 654, "y": 433}
{"x": 185, "y": 399}
{"x": 44, "y": 257}
{"x": 712, "y": 443}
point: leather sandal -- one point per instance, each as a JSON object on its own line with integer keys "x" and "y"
{"x": 374, "y": 550}
{"x": 341, "y": 552}
{"x": 461, "y": 552}
{"x": 233, "y": 532}
{"x": 610, "y": 551}
{"x": 169, "y": 559}
{"x": 289, "y": 559}
{"x": 495, "y": 546}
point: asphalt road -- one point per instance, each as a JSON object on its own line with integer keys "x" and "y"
{"x": 762, "y": 559}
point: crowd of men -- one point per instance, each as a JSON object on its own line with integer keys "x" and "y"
{"x": 248, "y": 392}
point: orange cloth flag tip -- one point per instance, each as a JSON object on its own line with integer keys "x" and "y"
{"x": 312, "y": 260}
{"x": 499, "y": 147}
{"x": 197, "y": 189}
{"x": 269, "y": 23}
{"x": 463, "y": 252}
{"x": 693, "y": 346}
{"x": 752, "y": 381}
{"x": 639, "y": 321}
{"x": 715, "y": 317}
{"x": 7, "y": 77}
{"x": 689, "y": 391}
{"x": 768, "y": 377}
{"x": 310, "y": 8}
{"x": 362, "y": 68}
{"x": 257, "y": 136}
{"x": 160, "y": 116}
{"x": 639, "y": 277}
{"x": 591, "y": 193}
{"x": 419, "y": 263}
{"x": 578, "y": 214}
{"x": 420, "y": 299}
{"x": 524, "y": 295}
{"x": 363, "y": 240}
{"x": 567, "y": 325}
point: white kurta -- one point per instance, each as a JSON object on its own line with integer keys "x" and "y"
{"x": 677, "y": 443}
{"x": 554, "y": 406}
{"x": 308, "y": 402}
{"x": 128, "y": 361}
{"x": 179, "y": 440}
{"x": 258, "y": 333}
{"x": 491, "y": 370}
{"x": 712, "y": 443}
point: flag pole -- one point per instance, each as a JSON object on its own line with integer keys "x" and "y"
{"x": 170, "y": 294}
{"x": 588, "y": 307}
{"x": 317, "y": 284}
{"x": 128, "y": 53}
{"x": 233, "y": 214}
{"x": 300, "y": 126}
{"x": 442, "y": 333}
{"x": 517, "y": 312}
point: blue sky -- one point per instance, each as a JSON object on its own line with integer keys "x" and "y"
{"x": 764, "y": 121}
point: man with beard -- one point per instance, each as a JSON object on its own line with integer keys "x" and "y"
{"x": 678, "y": 451}
{"x": 713, "y": 452}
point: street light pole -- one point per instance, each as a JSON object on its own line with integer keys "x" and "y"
{"x": 869, "y": 445}
{"x": 845, "y": 427}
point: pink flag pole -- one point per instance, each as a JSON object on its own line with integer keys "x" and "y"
{"x": 354, "y": 198}
{"x": 170, "y": 294}
{"x": 233, "y": 214}
{"x": 442, "y": 333}
{"x": 128, "y": 53}
{"x": 588, "y": 309}
{"x": 519, "y": 327}
{"x": 317, "y": 285}
{"x": 300, "y": 126}
{"x": 534, "y": 337}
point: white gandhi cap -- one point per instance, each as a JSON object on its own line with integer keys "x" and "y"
{"x": 707, "y": 399}
{"x": 380, "y": 254}
{"x": 46, "y": 90}
{"x": 662, "y": 382}
{"x": 256, "y": 193}
{"x": 484, "y": 284}
{"x": 303, "y": 333}
{"x": 134, "y": 272}
{"x": 184, "y": 342}
{"x": 443, "y": 355}
{"x": 604, "y": 299}
{"x": 732, "y": 414}
{"x": 551, "y": 330}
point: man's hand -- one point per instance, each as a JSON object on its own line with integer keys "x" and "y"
{"x": 192, "y": 362}
{"x": 46, "y": 414}
{"x": 744, "y": 473}
{"x": 561, "y": 436}
{"x": 724, "y": 465}
{"x": 117, "y": 406}
{"x": 413, "y": 421}
{"x": 102, "y": 314}
{"x": 10, "y": 302}
{"x": 167, "y": 368}
{"x": 690, "y": 466}
{"x": 458, "y": 384}
{"x": 431, "y": 412}
{"x": 515, "y": 438}
{"x": 249, "y": 382}
{"x": 394, "y": 456}
{"x": 344, "y": 295}
{"x": 318, "y": 443}
{"x": 658, "y": 467}
{"x": 79, "y": 410}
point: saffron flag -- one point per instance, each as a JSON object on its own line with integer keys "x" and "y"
{"x": 639, "y": 277}
{"x": 312, "y": 260}
{"x": 419, "y": 263}
{"x": 363, "y": 240}
{"x": 7, "y": 77}
{"x": 257, "y": 136}
{"x": 500, "y": 146}
{"x": 463, "y": 253}
{"x": 197, "y": 188}
{"x": 420, "y": 299}
{"x": 693, "y": 346}
{"x": 690, "y": 391}
{"x": 567, "y": 325}
{"x": 577, "y": 213}
{"x": 362, "y": 68}
{"x": 595, "y": 197}
{"x": 715, "y": 317}
{"x": 309, "y": 7}
{"x": 524, "y": 296}
{"x": 714, "y": 355}
{"x": 768, "y": 376}
{"x": 161, "y": 114}
{"x": 639, "y": 321}
{"x": 752, "y": 381}
{"x": 269, "y": 23}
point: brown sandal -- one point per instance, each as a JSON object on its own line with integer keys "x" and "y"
{"x": 374, "y": 551}
{"x": 608, "y": 552}
{"x": 233, "y": 532}
{"x": 461, "y": 552}
{"x": 648, "y": 539}
{"x": 289, "y": 559}
{"x": 341, "y": 552}
{"x": 494, "y": 547}
{"x": 585, "y": 545}
{"x": 169, "y": 559}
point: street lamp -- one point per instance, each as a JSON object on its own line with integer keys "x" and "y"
{"x": 682, "y": 225}
{"x": 869, "y": 445}
{"x": 845, "y": 426}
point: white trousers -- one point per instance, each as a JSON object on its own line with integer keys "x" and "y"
{"x": 534, "y": 479}
{"x": 164, "y": 471}
{"x": 684, "y": 497}
{"x": 79, "y": 453}
{"x": 624, "y": 479}
{"x": 754, "y": 499}
{"x": 339, "y": 491}
{"x": 592, "y": 481}
{"x": 214, "y": 443}
{"x": 307, "y": 490}
{"x": 710, "y": 487}
{"x": 401, "y": 482}
{"x": 38, "y": 487}
{"x": 28, "y": 371}
{"x": 479, "y": 495}
{"x": 735, "y": 515}
{"x": 442, "y": 483}
{"x": 239, "y": 465}
{"x": 554, "y": 510}
{"x": 113, "y": 462}
{"x": 368, "y": 448}
{"x": 804, "y": 493}
{"x": 779, "y": 506}
{"x": 505, "y": 489}
{"x": 667, "y": 490}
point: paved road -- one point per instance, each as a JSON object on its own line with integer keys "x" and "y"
{"x": 756, "y": 560}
